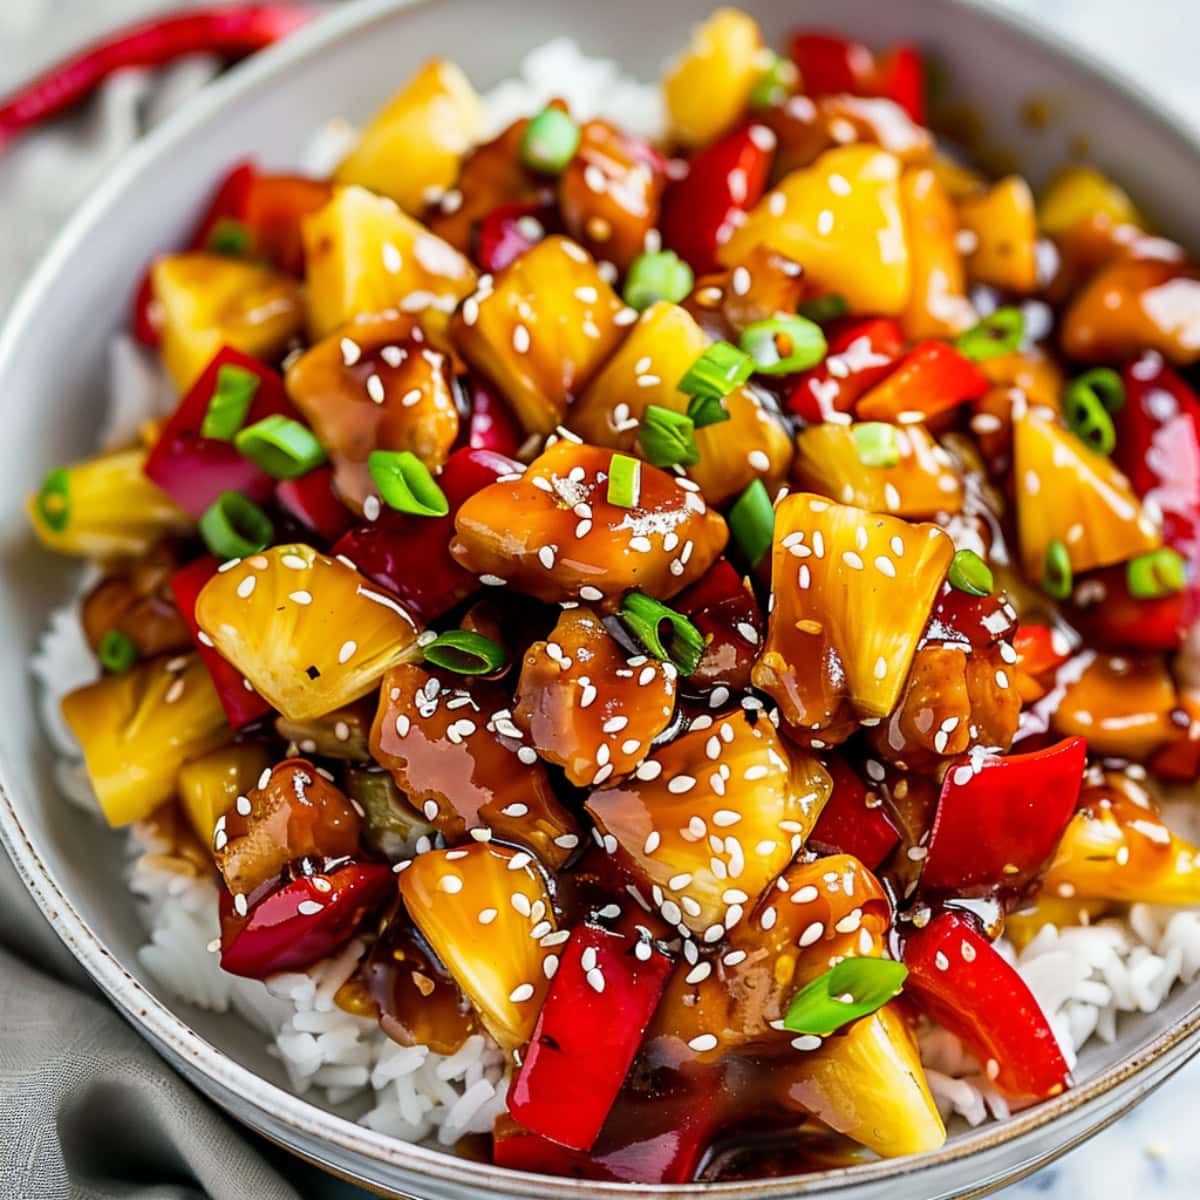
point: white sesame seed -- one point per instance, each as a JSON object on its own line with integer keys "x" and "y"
{"x": 703, "y": 1042}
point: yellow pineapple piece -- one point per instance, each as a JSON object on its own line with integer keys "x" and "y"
{"x": 210, "y": 785}
{"x": 1078, "y": 193}
{"x": 938, "y": 306}
{"x": 1003, "y": 224}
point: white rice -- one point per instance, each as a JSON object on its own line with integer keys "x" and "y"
{"x": 1083, "y": 977}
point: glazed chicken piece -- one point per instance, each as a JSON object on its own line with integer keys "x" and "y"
{"x": 486, "y": 913}
{"x": 294, "y": 813}
{"x": 710, "y": 819}
{"x": 852, "y": 594}
{"x": 587, "y": 707}
{"x": 768, "y": 283}
{"x": 554, "y": 534}
{"x": 455, "y": 753}
{"x": 540, "y": 330}
{"x": 375, "y": 385}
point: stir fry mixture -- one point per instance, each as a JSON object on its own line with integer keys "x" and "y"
{"x": 678, "y": 604}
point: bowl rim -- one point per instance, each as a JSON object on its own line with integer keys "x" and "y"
{"x": 270, "y": 1104}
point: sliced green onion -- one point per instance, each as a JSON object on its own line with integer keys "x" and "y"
{"x": 752, "y": 522}
{"x": 624, "y": 481}
{"x": 775, "y": 84}
{"x": 706, "y": 410}
{"x": 876, "y": 444}
{"x": 824, "y": 308}
{"x": 549, "y": 142}
{"x": 1104, "y": 383}
{"x": 784, "y": 345}
{"x": 405, "y": 483}
{"x": 716, "y": 373}
{"x": 116, "y": 652}
{"x": 465, "y": 653}
{"x": 230, "y": 402}
{"x": 283, "y": 448}
{"x": 661, "y": 275}
{"x": 666, "y": 634}
{"x": 969, "y": 573}
{"x": 234, "y": 527}
{"x": 668, "y": 438}
{"x": 54, "y": 500}
{"x": 855, "y": 988}
{"x": 229, "y": 237}
{"x": 1089, "y": 420}
{"x": 1001, "y": 333}
{"x": 1159, "y": 573}
{"x": 1057, "y": 577}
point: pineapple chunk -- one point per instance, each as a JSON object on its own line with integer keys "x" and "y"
{"x": 1123, "y": 706}
{"x": 478, "y": 908}
{"x": 852, "y": 594}
{"x": 843, "y": 219}
{"x": 1004, "y": 225}
{"x": 104, "y": 507}
{"x": 138, "y": 729}
{"x": 655, "y": 356}
{"x": 707, "y": 88}
{"x": 309, "y": 632}
{"x": 394, "y": 395}
{"x": 553, "y": 533}
{"x": 209, "y": 786}
{"x": 413, "y": 146}
{"x": 1077, "y": 194}
{"x": 541, "y": 330}
{"x": 923, "y": 483}
{"x": 365, "y": 256}
{"x": 211, "y": 300}
{"x": 1067, "y": 492}
{"x": 734, "y": 784}
{"x": 938, "y": 306}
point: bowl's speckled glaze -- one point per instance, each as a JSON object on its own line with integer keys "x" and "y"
{"x": 52, "y": 356}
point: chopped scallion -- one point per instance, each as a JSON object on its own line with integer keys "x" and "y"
{"x": 405, "y": 483}
{"x": 624, "y": 481}
{"x": 668, "y": 437}
{"x": 229, "y": 237}
{"x": 666, "y": 634}
{"x": 775, "y": 84}
{"x": 234, "y": 527}
{"x": 465, "y": 653}
{"x": 969, "y": 573}
{"x": 229, "y": 403}
{"x": 1000, "y": 333}
{"x": 54, "y": 499}
{"x": 706, "y": 410}
{"x": 1088, "y": 418}
{"x": 1057, "y": 577}
{"x": 824, "y": 308}
{"x": 717, "y": 371}
{"x": 283, "y": 448}
{"x": 784, "y": 345}
{"x": 660, "y": 275}
{"x": 752, "y": 522}
{"x": 549, "y": 142}
{"x": 875, "y": 444}
{"x": 855, "y": 988}
{"x": 116, "y": 652}
{"x": 1159, "y": 573}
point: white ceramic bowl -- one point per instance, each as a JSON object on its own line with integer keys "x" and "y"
{"x": 52, "y": 357}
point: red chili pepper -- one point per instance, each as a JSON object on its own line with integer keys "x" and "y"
{"x": 229, "y": 31}
{"x": 931, "y": 378}
{"x": 960, "y": 979}
{"x": 492, "y": 425}
{"x": 570, "y": 1077}
{"x": 727, "y": 615}
{"x": 830, "y": 64}
{"x": 861, "y": 353}
{"x": 302, "y": 922}
{"x": 1118, "y": 620}
{"x": 241, "y": 703}
{"x": 388, "y": 550}
{"x": 313, "y": 502}
{"x": 848, "y": 825}
{"x": 194, "y": 470}
{"x": 999, "y": 822}
{"x": 723, "y": 181}
{"x": 274, "y": 209}
{"x": 508, "y": 231}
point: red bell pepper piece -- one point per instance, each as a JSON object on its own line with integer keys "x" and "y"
{"x": 830, "y": 64}
{"x": 313, "y": 502}
{"x": 861, "y": 353}
{"x": 848, "y": 825}
{"x": 1039, "y": 649}
{"x": 931, "y": 378}
{"x": 900, "y": 76}
{"x": 274, "y": 208}
{"x": 492, "y": 425}
{"x": 293, "y": 926}
{"x": 508, "y": 231}
{"x": 997, "y": 825}
{"x": 239, "y": 700}
{"x": 961, "y": 980}
{"x": 194, "y": 470}
{"x": 570, "y": 1077}
{"x": 390, "y": 550}
{"x": 1179, "y": 760}
{"x": 727, "y": 615}
{"x": 980, "y": 621}
{"x": 723, "y": 181}
{"x": 1121, "y": 621}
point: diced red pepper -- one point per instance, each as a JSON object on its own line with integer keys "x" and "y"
{"x": 194, "y": 470}
{"x": 727, "y": 615}
{"x": 508, "y": 231}
{"x": 848, "y": 825}
{"x": 1179, "y": 760}
{"x": 492, "y": 425}
{"x": 293, "y": 926}
{"x": 861, "y": 353}
{"x": 409, "y": 555}
{"x": 1120, "y": 621}
{"x": 931, "y": 378}
{"x": 569, "y": 1079}
{"x": 900, "y": 76}
{"x": 723, "y": 181}
{"x": 961, "y": 980}
{"x": 241, "y": 703}
{"x": 980, "y": 621}
{"x": 274, "y": 208}
{"x": 830, "y": 64}
{"x": 313, "y": 502}
{"x": 1039, "y": 649}
{"x": 999, "y": 822}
